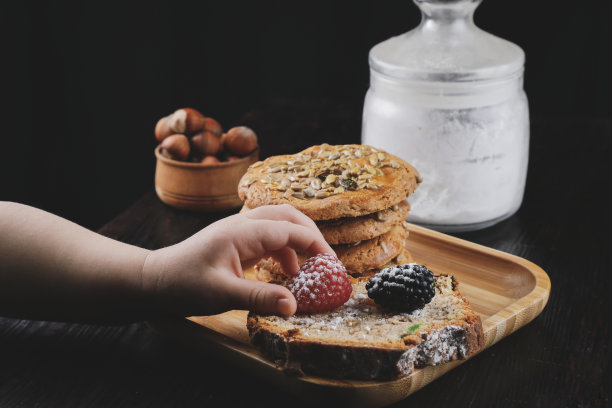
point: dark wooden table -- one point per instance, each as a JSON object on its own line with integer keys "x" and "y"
{"x": 562, "y": 358}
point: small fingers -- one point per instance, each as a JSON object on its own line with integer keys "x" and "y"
{"x": 260, "y": 237}
{"x": 260, "y": 297}
{"x": 285, "y": 256}
{"x": 283, "y": 212}
{"x": 288, "y": 260}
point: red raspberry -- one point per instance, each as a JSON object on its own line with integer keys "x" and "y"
{"x": 322, "y": 284}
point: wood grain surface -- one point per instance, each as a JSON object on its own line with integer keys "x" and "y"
{"x": 506, "y": 291}
{"x": 561, "y": 359}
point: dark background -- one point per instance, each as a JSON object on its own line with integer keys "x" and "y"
{"x": 84, "y": 83}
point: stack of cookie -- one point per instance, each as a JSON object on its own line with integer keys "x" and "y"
{"x": 356, "y": 194}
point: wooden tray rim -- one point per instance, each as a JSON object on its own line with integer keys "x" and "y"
{"x": 496, "y": 327}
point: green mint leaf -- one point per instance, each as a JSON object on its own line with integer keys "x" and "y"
{"x": 413, "y": 328}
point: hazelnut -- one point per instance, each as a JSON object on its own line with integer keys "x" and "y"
{"x": 213, "y": 126}
{"x": 175, "y": 147}
{"x": 210, "y": 160}
{"x": 206, "y": 143}
{"x": 162, "y": 129}
{"x": 186, "y": 121}
{"x": 239, "y": 141}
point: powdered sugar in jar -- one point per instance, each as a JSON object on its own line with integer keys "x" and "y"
{"x": 448, "y": 98}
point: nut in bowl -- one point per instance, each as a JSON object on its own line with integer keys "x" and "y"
{"x": 199, "y": 166}
{"x": 198, "y": 186}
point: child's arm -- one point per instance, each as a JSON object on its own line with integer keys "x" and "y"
{"x": 53, "y": 269}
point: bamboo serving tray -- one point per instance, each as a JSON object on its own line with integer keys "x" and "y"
{"x": 505, "y": 290}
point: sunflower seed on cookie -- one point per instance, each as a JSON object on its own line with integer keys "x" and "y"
{"x": 328, "y": 182}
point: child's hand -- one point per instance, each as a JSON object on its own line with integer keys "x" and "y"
{"x": 53, "y": 269}
{"x": 203, "y": 274}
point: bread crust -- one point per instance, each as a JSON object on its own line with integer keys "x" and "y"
{"x": 357, "y": 259}
{"x": 440, "y": 343}
{"x": 352, "y": 361}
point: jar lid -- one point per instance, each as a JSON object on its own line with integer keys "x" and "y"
{"x": 448, "y": 47}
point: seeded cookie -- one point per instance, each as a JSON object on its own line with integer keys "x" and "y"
{"x": 353, "y": 229}
{"x": 346, "y": 230}
{"x": 375, "y": 252}
{"x": 359, "y": 257}
{"x": 327, "y": 182}
{"x": 268, "y": 270}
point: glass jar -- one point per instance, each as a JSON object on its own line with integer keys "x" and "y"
{"x": 448, "y": 98}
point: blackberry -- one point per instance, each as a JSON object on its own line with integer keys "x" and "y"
{"x": 403, "y": 287}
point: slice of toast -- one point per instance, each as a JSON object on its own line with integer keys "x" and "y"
{"x": 362, "y": 340}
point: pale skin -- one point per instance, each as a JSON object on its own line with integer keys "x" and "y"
{"x": 53, "y": 269}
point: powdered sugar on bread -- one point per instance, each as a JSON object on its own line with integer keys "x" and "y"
{"x": 361, "y": 320}
{"x": 362, "y": 340}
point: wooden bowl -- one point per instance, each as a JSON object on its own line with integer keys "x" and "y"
{"x": 194, "y": 186}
